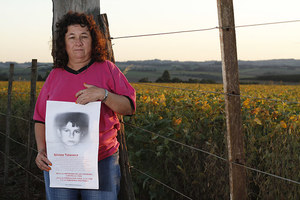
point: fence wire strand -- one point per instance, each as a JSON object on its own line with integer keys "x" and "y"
{"x": 16, "y": 163}
{"x": 161, "y": 136}
{"x": 132, "y": 167}
{"x": 20, "y": 118}
{"x": 174, "y": 141}
{"x": 22, "y": 144}
{"x": 204, "y": 29}
{"x": 211, "y": 154}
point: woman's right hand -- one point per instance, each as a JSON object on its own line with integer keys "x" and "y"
{"x": 42, "y": 161}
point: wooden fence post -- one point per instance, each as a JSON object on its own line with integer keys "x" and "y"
{"x": 104, "y": 28}
{"x": 126, "y": 190}
{"x": 31, "y": 124}
{"x": 61, "y": 8}
{"x": 8, "y": 113}
{"x": 235, "y": 137}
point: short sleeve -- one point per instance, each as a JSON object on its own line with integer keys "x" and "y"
{"x": 121, "y": 85}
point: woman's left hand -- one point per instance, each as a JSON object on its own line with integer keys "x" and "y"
{"x": 90, "y": 94}
{"x": 117, "y": 103}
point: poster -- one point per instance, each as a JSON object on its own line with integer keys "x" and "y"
{"x": 72, "y": 140}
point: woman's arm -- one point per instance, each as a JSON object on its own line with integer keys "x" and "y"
{"x": 118, "y": 103}
{"x": 41, "y": 159}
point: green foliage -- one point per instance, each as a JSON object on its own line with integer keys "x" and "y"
{"x": 193, "y": 118}
{"x": 3, "y": 77}
{"x": 166, "y": 78}
{"x": 144, "y": 80}
{"x": 198, "y": 120}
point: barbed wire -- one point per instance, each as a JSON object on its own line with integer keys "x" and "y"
{"x": 222, "y": 93}
{"x": 22, "y": 144}
{"x": 204, "y": 29}
{"x": 266, "y": 173}
{"x": 267, "y": 23}
{"x": 165, "y": 33}
{"x": 132, "y": 167}
{"x": 26, "y": 120}
{"x": 19, "y": 165}
{"x": 201, "y": 91}
{"x": 214, "y": 155}
{"x": 174, "y": 141}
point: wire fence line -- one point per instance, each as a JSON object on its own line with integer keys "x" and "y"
{"x": 20, "y": 143}
{"x": 165, "y": 185}
{"x": 20, "y": 118}
{"x": 211, "y": 154}
{"x": 19, "y": 165}
{"x": 132, "y": 167}
{"x": 15, "y": 162}
{"x": 204, "y": 29}
{"x": 201, "y": 91}
{"x": 174, "y": 141}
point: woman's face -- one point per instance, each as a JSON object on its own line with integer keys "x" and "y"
{"x": 70, "y": 135}
{"x": 78, "y": 43}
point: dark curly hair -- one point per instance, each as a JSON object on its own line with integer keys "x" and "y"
{"x": 59, "y": 53}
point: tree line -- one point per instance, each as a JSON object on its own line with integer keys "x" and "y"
{"x": 166, "y": 78}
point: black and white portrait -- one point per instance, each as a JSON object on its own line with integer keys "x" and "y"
{"x": 71, "y": 127}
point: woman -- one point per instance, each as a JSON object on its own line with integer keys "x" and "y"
{"x": 82, "y": 75}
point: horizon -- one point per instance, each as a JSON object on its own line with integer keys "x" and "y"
{"x": 277, "y": 59}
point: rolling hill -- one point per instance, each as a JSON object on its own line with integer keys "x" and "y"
{"x": 282, "y": 70}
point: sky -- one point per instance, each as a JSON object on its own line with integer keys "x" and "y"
{"x": 26, "y": 29}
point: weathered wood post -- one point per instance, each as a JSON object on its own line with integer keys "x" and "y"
{"x": 93, "y": 7}
{"x": 235, "y": 137}
{"x": 126, "y": 190}
{"x": 8, "y": 113}
{"x": 60, "y": 8}
{"x": 30, "y": 138}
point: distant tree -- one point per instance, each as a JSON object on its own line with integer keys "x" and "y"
{"x": 191, "y": 80}
{"x": 209, "y": 81}
{"x": 176, "y": 80}
{"x": 165, "y": 78}
{"x": 159, "y": 80}
{"x": 144, "y": 80}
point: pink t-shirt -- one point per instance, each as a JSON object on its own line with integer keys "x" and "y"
{"x": 63, "y": 84}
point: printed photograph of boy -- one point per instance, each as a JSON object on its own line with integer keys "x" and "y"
{"x": 71, "y": 127}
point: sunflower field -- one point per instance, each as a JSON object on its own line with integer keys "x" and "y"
{"x": 177, "y": 139}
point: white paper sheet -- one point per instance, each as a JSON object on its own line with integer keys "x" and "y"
{"x": 72, "y": 140}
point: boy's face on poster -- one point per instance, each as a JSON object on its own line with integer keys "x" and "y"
{"x": 70, "y": 135}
